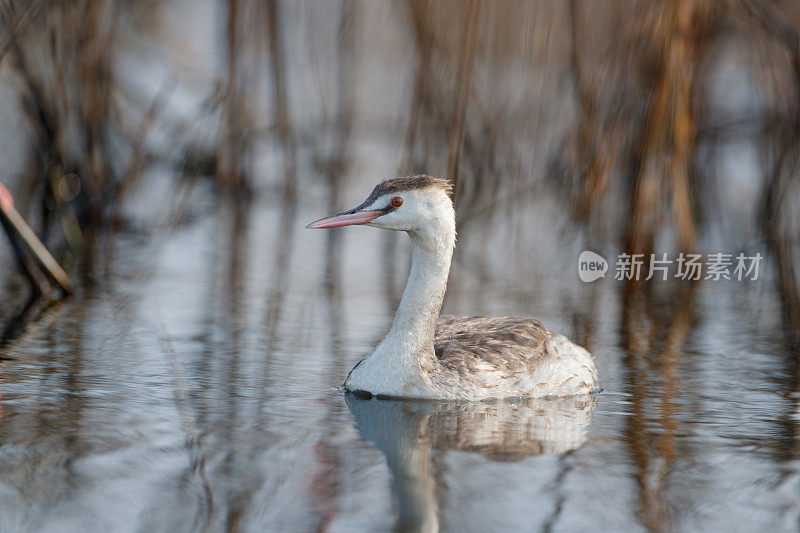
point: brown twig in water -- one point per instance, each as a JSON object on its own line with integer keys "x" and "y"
{"x": 665, "y": 153}
{"x": 19, "y": 25}
{"x": 43, "y": 257}
{"x": 462, "y": 95}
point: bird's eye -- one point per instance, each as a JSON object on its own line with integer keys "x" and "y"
{"x": 396, "y": 201}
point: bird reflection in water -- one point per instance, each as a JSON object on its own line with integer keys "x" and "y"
{"x": 406, "y": 432}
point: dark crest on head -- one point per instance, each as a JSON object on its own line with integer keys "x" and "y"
{"x": 417, "y": 181}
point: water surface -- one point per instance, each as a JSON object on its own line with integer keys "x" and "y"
{"x": 197, "y": 391}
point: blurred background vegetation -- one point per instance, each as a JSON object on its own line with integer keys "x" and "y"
{"x": 652, "y": 126}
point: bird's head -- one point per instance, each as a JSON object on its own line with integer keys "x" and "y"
{"x": 414, "y": 204}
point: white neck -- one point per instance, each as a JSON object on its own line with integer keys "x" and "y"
{"x": 412, "y": 332}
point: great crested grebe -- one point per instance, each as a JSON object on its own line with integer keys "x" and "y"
{"x": 427, "y": 356}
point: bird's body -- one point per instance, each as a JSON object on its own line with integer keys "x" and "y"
{"x": 480, "y": 358}
{"x": 432, "y": 357}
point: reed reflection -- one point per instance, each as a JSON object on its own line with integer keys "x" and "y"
{"x": 654, "y": 350}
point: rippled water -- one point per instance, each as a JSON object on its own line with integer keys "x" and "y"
{"x": 195, "y": 389}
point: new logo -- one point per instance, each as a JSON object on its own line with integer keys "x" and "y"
{"x": 591, "y": 266}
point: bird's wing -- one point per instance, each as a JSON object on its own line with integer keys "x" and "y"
{"x": 497, "y": 347}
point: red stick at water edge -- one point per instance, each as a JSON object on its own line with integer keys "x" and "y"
{"x": 6, "y": 200}
{"x": 28, "y": 236}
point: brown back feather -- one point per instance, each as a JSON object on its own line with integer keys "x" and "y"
{"x": 511, "y": 345}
